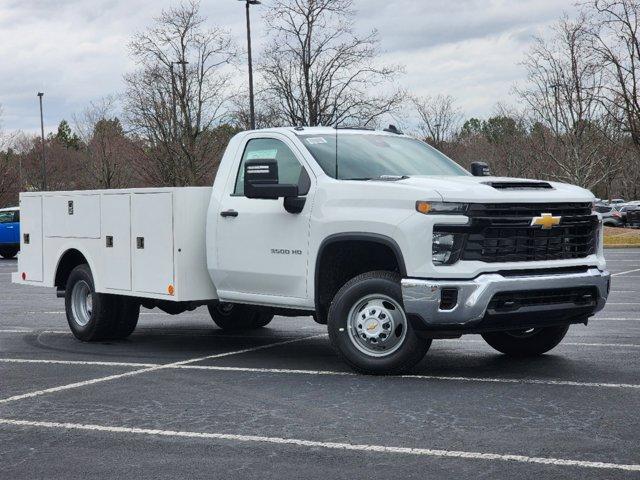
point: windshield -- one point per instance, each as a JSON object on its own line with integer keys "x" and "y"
{"x": 369, "y": 156}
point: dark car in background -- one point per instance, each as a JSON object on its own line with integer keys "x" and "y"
{"x": 633, "y": 216}
{"x": 9, "y": 232}
{"x": 611, "y": 217}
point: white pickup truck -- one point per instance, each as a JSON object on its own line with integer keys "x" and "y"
{"x": 376, "y": 234}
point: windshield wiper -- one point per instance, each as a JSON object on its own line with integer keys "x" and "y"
{"x": 393, "y": 178}
{"x": 384, "y": 178}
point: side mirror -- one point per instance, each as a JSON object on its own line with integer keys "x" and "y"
{"x": 480, "y": 169}
{"x": 261, "y": 181}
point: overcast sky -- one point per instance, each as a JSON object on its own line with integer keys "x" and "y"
{"x": 76, "y": 50}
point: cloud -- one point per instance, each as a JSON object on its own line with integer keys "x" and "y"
{"x": 76, "y": 50}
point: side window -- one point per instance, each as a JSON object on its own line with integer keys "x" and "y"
{"x": 289, "y": 169}
{"x": 6, "y": 217}
{"x": 16, "y": 217}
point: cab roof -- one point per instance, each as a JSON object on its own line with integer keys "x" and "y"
{"x": 329, "y": 131}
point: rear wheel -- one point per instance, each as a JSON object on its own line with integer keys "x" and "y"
{"x": 369, "y": 328}
{"x": 526, "y": 343}
{"x": 97, "y": 316}
{"x": 8, "y": 252}
{"x": 234, "y": 316}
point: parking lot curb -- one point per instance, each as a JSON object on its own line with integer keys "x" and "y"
{"x": 623, "y": 245}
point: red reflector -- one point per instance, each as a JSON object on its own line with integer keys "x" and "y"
{"x": 24, "y": 276}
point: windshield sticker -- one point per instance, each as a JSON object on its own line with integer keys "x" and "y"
{"x": 316, "y": 140}
{"x": 263, "y": 154}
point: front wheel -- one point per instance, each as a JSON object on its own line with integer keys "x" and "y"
{"x": 526, "y": 343}
{"x": 369, "y": 328}
{"x": 233, "y": 316}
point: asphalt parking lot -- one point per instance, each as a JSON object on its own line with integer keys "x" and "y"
{"x": 182, "y": 399}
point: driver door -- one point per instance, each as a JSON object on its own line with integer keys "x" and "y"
{"x": 263, "y": 249}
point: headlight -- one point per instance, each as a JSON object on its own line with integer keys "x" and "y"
{"x": 441, "y": 208}
{"x": 445, "y": 249}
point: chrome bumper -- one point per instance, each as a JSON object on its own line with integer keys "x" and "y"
{"x": 422, "y": 297}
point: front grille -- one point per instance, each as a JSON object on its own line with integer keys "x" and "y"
{"x": 511, "y": 301}
{"x": 633, "y": 217}
{"x": 492, "y": 210}
{"x": 503, "y": 233}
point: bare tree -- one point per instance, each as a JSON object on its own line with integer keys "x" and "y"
{"x": 109, "y": 153}
{"x": 565, "y": 83}
{"x": 267, "y": 112}
{"x": 175, "y": 100}
{"x": 615, "y": 29}
{"x": 319, "y": 72}
{"x": 9, "y": 181}
{"x": 438, "y": 118}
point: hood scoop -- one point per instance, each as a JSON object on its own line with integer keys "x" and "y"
{"x": 519, "y": 185}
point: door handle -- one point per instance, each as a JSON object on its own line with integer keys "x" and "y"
{"x": 9, "y": 228}
{"x": 229, "y": 213}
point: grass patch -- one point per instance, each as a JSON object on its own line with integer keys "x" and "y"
{"x": 621, "y": 236}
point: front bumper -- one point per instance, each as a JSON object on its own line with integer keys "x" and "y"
{"x": 471, "y": 314}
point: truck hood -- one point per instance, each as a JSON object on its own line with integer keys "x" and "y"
{"x": 480, "y": 189}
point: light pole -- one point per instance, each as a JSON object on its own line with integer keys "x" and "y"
{"x": 252, "y": 108}
{"x": 43, "y": 166}
{"x": 437, "y": 126}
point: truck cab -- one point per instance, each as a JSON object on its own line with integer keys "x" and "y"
{"x": 378, "y": 235}
{"x": 9, "y": 232}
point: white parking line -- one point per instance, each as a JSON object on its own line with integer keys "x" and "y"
{"x": 614, "y": 319}
{"x": 622, "y": 273}
{"x": 212, "y": 335}
{"x": 146, "y": 370}
{"x": 62, "y": 312}
{"x": 78, "y": 362}
{"x": 572, "y": 344}
{"x": 418, "y": 377}
{"x": 156, "y": 331}
{"x": 424, "y": 452}
{"x": 522, "y": 381}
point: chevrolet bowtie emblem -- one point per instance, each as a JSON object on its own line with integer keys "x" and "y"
{"x": 546, "y": 221}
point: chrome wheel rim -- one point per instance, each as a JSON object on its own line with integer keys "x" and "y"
{"x": 377, "y": 325}
{"x": 81, "y": 303}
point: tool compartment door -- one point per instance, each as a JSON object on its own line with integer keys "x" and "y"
{"x": 72, "y": 216}
{"x": 116, "y": 241}
{"x": 152, "y": 242}
{"x": 30, "y": 259}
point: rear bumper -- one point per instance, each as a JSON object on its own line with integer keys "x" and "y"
{"x": 471, "y": 312}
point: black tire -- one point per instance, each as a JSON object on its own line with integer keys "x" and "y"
{"x": 127, "y": 319}
{"x": 111, "y": 316}
{"x": 524, "y": 343}
{"x": 9, "y": 252}
{"x": 235, "y": 317}
{"x": 408, "y": 352}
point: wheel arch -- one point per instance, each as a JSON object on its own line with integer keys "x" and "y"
{"x": 67, "y": 261}
{"x": 385, "y": 254}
